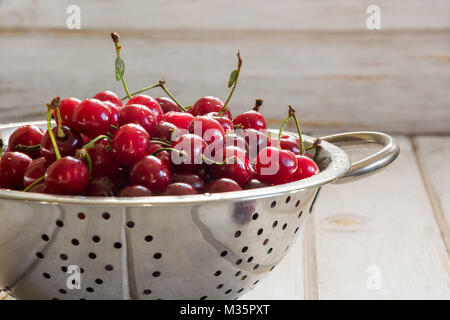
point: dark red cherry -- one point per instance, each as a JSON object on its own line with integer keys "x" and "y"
{"x": 306, "y": 167}
{"x": 67, "y": 145}
{"x": 120, "y": 179}
{"x": 151, "y": 173}
{"x": 275, "y": 166}
{"x": 135, "y": 191}
{"x": 100, "y": 187}
{"x": 207, "y": 105}
{"x": 114, "y": 111}
{"x": 67, "y": 176}
{"x": 179, "y": 189}
{"x": 236, "y": 166}
{"x": 193, "y": 147}
{"x": 150, "y": 103}
{"x": 130, "y": 144}
{"x": 255, "y": 184}
{"x": 192, "y": 179}
{"x": 163, "y": 155}
{"x": 168, "y": 104}
{"x": 39, "y": 188}
{"x": 223, "y": 185}
{"x": 12, "y": 169}
{"x": 291, "y": 143}
{"x": 35, "y": 170}
{"x": 250, "y": 120}
{"x": 138, "y": 114}
{"x": 67, "y": 109}
{"x": 104, "y": 164}
{"x": 166, "y": 131}
{"x": 92, "y": 118}
{"x": 109, "y": 96}
{"x": 181, "y": 120}
{"x": 209, "y": 129}
{"x": 27, "y": 135}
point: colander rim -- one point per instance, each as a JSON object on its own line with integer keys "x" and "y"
{"x": 337, "y": 168}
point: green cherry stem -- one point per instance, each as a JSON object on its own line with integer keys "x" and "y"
{"x": 299, "y": 131}
{"x": 162, "y": 84}
{"x": 280, "y": 133}
{"x": 60, "y": 133}
{"x": 224, "y": 162}
{"x": 36, "y": 182}
{"x": 22, "y": 148}
{"x": 91, "y": 143}
{"x": 55, "y": 103}
{"x": 238, "y": 71}
{"x": 142, "y": 90}
{"x": 82, "y": 154}
{"x": 120, "y": 66}
{"x": 181, "y": 153}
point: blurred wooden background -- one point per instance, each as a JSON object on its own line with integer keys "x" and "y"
{"x": 316, "y": 55}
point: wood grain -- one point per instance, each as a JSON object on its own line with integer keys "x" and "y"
{"x": 342, "y": 81}
{"x": 384, "y": 222}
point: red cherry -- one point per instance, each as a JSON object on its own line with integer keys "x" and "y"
{"x": 255, "y": 184}
{"x": 256, "y": 142}
{"x": 151, "y": 173}
{"x": 168, "y": 104}
{"x": 275, "y": 166}
{"x": 223, "y": 185}
{"x": 192, "y": 179}
{"x": 236, "y": 140}
{"x": 35, "y": 170}
{"x": 114, "y": 111}
{"x": 207, "y": 105}
{"x": 224, "y": 121}
{"x": 306, "y": 167}
{"x": 291, "y": 143}
{"x": 150, "y": 103}
{"x": 66, "y": 110}
{"x": 250, "y": 120}
{"x": 100, "y": 187}
{"x": 135, "y": 191}
{"x": 181, "y": 120}
{"x": 120, "y": 179}
{"x": 193, "y": 146}
{"x": 166, "y": 131}
{"x": 109, "y": 96}
{"x": 92, "y": 118}
{"x": 207, "y": 128}
{"x": 130, "y": 144}
{"x": 163, "y": 155}
{"x": 12, "y": 169}
{"x": 236, "y": 167}
{"x": 66, "y": 146}
{"x": 138, "y": 114}
{"x": 103, "y": 162}
{"x": 67, "y": 176}
{"x": 28, "y": 135}
{"x": 179, "y": 189}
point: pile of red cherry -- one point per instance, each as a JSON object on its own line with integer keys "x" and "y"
{"x": 101, "y": 147}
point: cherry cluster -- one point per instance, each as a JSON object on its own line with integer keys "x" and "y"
{"x": 105, "y": 147}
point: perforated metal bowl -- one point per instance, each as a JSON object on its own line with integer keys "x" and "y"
{"x": 209, "y": 246}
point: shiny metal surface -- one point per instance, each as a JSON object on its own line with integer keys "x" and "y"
{"x": 179, "y": 247}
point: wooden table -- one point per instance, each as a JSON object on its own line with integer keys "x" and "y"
{"x": 383, "y": 237}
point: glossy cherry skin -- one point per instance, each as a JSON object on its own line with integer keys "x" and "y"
{"x": 67, "y": 176}
{"x": 236, "y": 167}
{"x": 66, "y": 146}
{"x": 92, "y": 118}
{"x": 224, "y": 121}
{"x": 109, "y": 96}
{"x": 66, "y": 110}
{"x": 209, "y": 129}
{"x": 163, "y": 155}
{"x": 255, "y": 184}
{"x": 39, "y": 188}
{"x": 275, "y": 166}
{"x": 250, "y": 120}
{"x": 130, "y": 144}
{"x": 114, "y": 111}
{"x": 138, "y": 114}
{"x": 223, "y": 185}
{"x": 291, "y": 143}
{"x": 100, "y": 187}
{"x": 181, "y": 120}
{"x": 104, "y": 164}
{"x": 135, "y": 191}
{"x": 256, "y": 142}
{"x": 151, "y": 173}
{"x": 168, "y": 104}
{"x": 27, "y": 135}
{"x": 193, "y": 146}
{"x": 192, "y": 179}
{"x": 13, "y": 166}
{"x": 150, "y": 103}
{"x": 35, "y": 170}
{"x": 167, "y": 131}
{"x": 207, "y": 105}
{"x": 236, "y": 140}
{"x": 306, "y": 167}
{"x": 179, "y": 189}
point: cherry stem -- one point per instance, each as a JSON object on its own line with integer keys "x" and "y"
{"x": 315, "y": 145}
{"x": 180, "y": 152}
{"x": 159, "y": 140}
{"x": 142, "y": 90}
{"x": 116, "y": 38}
{"x": 280, "y": 133}
{"x": 113, "y": 127}
{"x": 54, "y": 104}
{"x": 82, "y": 154}
{"x": 91, "y": 143}
{"x": 258, "y": 104}
{"x": 60, "y": 133}
{"x": 299, "y": 131}
{"x": 36, "y": 182}
{"x": 225, "y": 106}
{"x": 21, "y": 147}
{"x": 162, "y": 84}
{"x": 224, "y": 162}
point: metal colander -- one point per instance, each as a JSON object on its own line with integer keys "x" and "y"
{"x": 209, "y": 246}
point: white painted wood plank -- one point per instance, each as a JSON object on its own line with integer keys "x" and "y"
{"x": 382, "y": 223}
{"x": 231, "y": 15}
{"x": 381, "y": 81}
{"x": 434, "y": 154}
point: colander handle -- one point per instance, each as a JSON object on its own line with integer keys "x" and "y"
{"x": 372, "y": 163}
